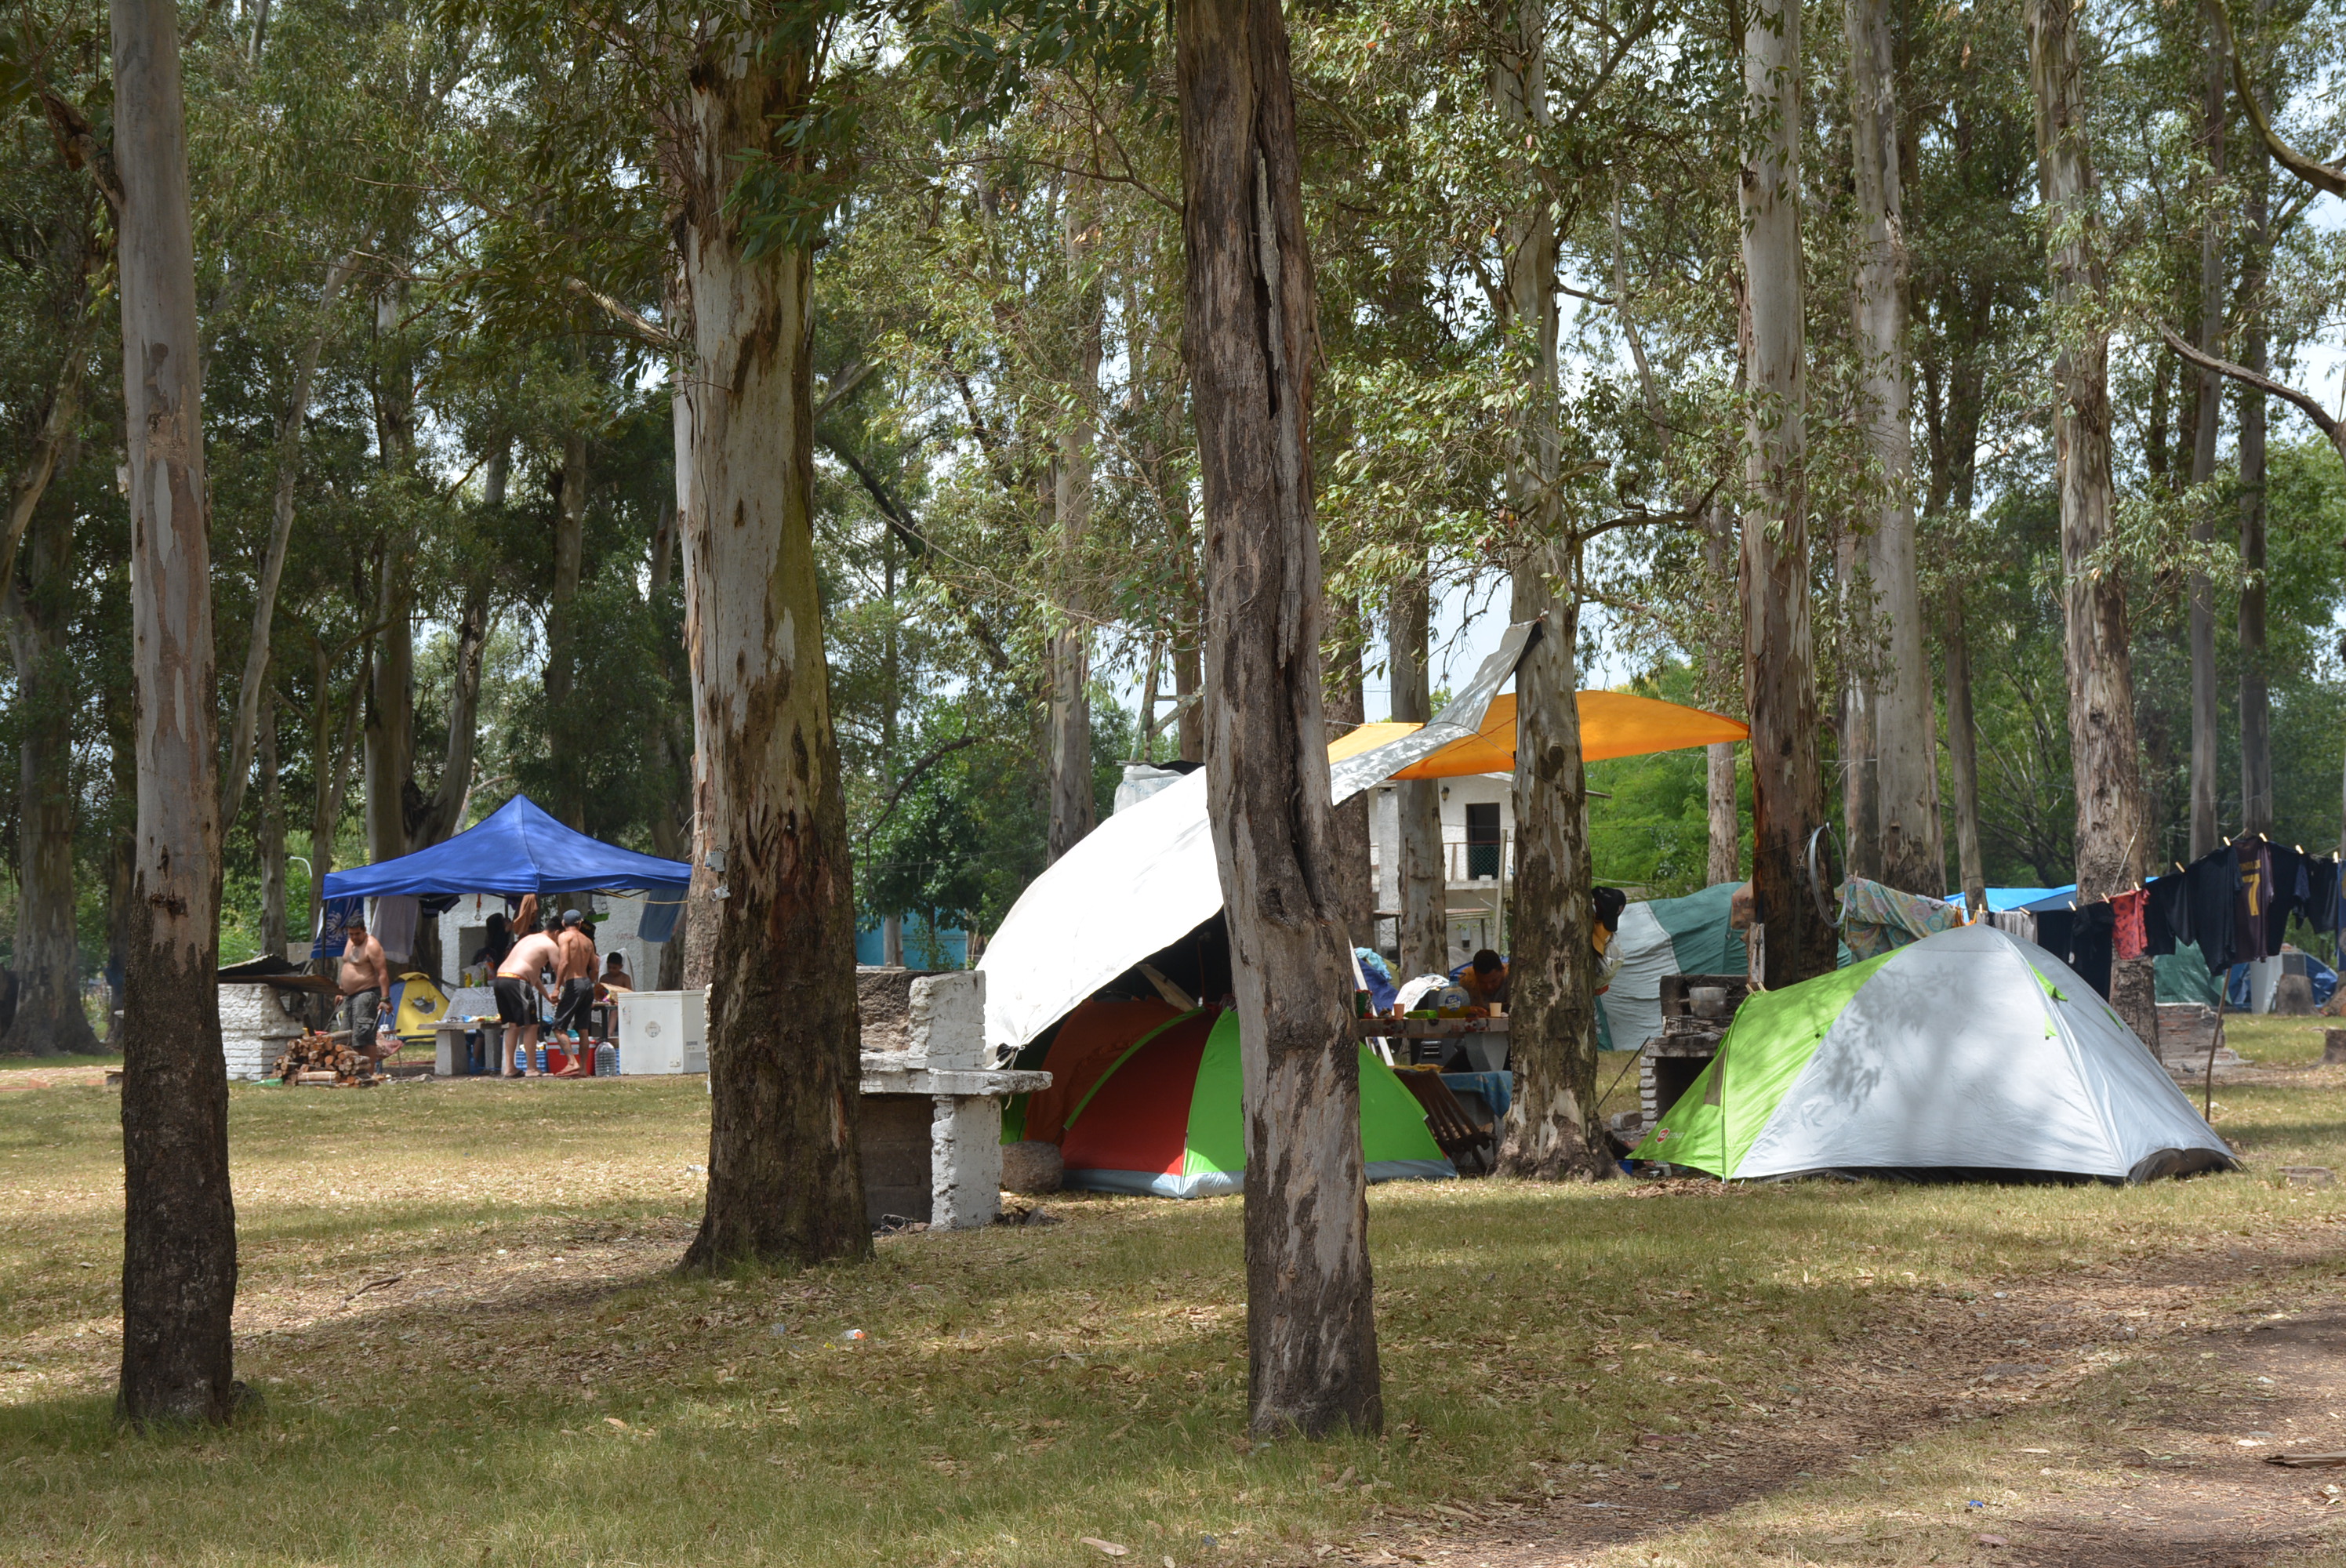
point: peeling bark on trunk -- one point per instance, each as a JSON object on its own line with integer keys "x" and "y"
{"x": 2206, "y": 831}
{"x": 1778, "y": 665}
{"x": 1551, "y": 1131}
{"x": 1356, "y": 893}
{"x": 49, "y": 1020}
{"x": 1252, "y": 345}
{"x": 1905, "y": 779}
{"x": 1423, "y": 925}
{"x": 561, "y": 636}
{"x": 178, "y": 1255}
{"x": 1189, "y": 679}
{"x": 2112, "y": 845}
{"x": 784, "y": 1181}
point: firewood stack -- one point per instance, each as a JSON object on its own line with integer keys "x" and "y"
{"x": 323, "y": 1059}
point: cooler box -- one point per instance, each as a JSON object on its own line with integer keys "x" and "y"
{"x": 663, "y": 1032}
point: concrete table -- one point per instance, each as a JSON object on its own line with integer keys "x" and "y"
{"x": 932, "y": 1113}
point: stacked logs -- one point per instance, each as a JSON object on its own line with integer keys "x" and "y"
{"x": 323, "y": 1059}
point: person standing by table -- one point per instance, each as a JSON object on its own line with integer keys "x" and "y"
{"x": 365, "y": 984}
{"x": 573, "y": 974}
{"x": 522, "y": 972}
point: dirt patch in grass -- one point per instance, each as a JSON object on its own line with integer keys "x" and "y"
{"x": 2117, "y": 1419}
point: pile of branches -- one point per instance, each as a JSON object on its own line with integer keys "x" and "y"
{"x": 315, "y": 1058}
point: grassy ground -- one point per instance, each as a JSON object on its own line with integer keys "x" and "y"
{"x": 455, "y": 1301}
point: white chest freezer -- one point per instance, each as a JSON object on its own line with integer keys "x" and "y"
{"x": 663, "y": 1032}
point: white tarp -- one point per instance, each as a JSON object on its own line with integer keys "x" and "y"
{"x": 1147, "y": 877}
{"x": 1633, "y": 1003}
{"x": 1975, "y": 1050}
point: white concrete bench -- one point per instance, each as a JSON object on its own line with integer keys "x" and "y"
{"x": 932, "y": 1113}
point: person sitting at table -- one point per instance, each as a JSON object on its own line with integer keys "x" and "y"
{"x": 1485, "y": 978}
{"x": 573, "y": 974}
{"x": 523, "y": 972}
{"x": 615, "y": 976}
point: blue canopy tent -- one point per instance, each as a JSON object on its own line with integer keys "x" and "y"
{"x": 516, "y": 849}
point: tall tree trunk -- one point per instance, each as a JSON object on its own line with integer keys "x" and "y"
{"x": 1072, "y": 806}
{"x": 1356, "y": 894}
{"x": 250, "y": 694}
{"x": 1963, "y": 753}
{"x": 333, "y": 754}
{"x": 1779, "y": 690}
{"x": 2112, "y": 842}
{"x": 178, "y": 1252}
{"x": 2206, "y": 830}
{"x": 784, "y": 1181}
{"x": 1551, "y": 1131}
{"x": 49, "y": 1019}
{"x": 1853, "y": 728}
{"x": 1188, "y": 680}
{"x": 1725, "y": 862}
{"x": 270, "y": 836}
{"x": 1424, "y": 923}
{"x": 1909, "y": 852}
{"x": 1252, "y": 344}
{"x": 568, "y": 763}
{"x": 444, "y": 812}
{"x": 389, "y": 757}
{"x": 2256, "y": 703}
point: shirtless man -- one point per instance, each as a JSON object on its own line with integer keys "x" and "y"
{"x": 574, "y": 975}
{"x": 517, "y": 976}
{"x": 365, "y": 983}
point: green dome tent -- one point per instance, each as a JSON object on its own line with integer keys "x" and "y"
{"x": 1970, "y": 1053}
{"x": 1165, "y": 1120}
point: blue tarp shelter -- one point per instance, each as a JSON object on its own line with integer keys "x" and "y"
{"x": 516, "y": 849}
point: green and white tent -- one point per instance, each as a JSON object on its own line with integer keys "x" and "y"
{"x": 1665, "y": 936}
{"x": 1970, "y": 1053}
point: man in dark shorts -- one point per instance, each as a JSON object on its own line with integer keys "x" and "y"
{"x": 574, "y": 975}
{"x": 521, "y": 975}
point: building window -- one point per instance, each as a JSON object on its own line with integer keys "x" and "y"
{"x": 1483, "y": 842}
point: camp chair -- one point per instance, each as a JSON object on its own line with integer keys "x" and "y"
{"x": 1445, "y": 1118}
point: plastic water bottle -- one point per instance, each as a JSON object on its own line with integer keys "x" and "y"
{"x": 606, "y": 1060}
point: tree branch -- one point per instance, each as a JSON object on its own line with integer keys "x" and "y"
{"x": 2321, "y": 176}
{"x": 2307, "y": 404}
{"x": 913, "y": 774}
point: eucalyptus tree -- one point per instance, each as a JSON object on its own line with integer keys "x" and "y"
{"x": 178, "y": 1255}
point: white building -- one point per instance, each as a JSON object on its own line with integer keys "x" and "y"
{"x": 1478, "y": 852}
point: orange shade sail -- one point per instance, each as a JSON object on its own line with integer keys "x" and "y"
{"x": 1612, "y": 724}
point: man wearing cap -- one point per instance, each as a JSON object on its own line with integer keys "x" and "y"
{"x": 365, "y": 982}
{"x": 573, "y": 974}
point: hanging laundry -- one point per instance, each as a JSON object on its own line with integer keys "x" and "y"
{"x": 2252, "y": 901}
{"x": 2165, "y": 914}
{"x": 1875, "y": 918}
{"x": 2090, "y": 936}
{"x": 2130, "y": 940}
{"x": 2214, "y": 882}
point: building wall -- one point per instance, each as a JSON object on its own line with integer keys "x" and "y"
{"x": 1475, "y": 913}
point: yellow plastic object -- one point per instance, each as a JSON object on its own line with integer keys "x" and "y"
{"x": 421, "y": 1006}
{"x": 1612, "y": 724}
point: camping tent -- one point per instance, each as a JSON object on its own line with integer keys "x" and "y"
{"x": 1164, "y": 1119}
{"x": 1666, "y": 936}
{"x": 1147, "y": 877}
{"x": 516, "y": 849}
{"x": 1969, "y": 1054}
